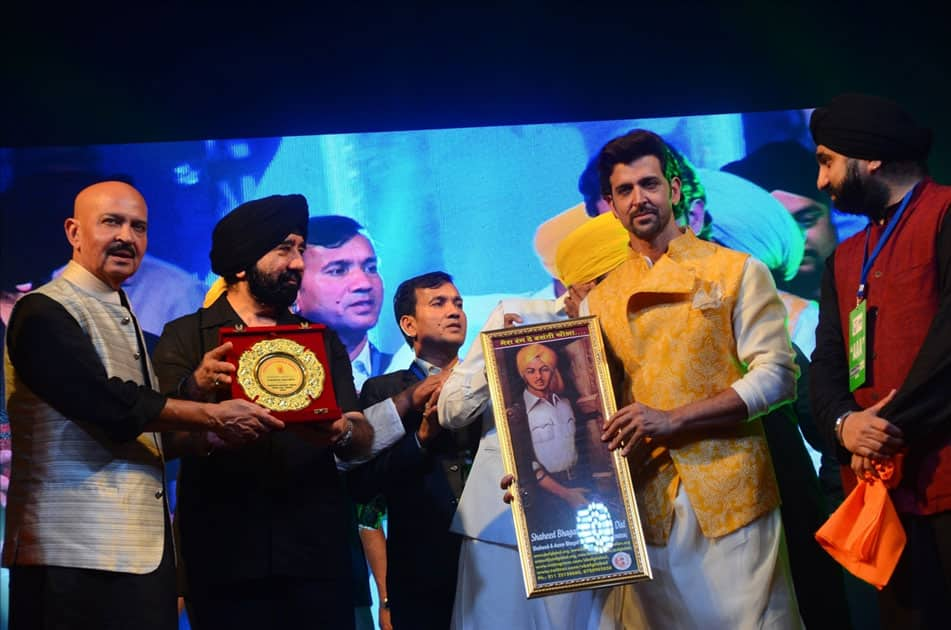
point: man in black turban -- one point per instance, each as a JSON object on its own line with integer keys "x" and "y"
{"x": 885, "y": 325}
{"x": 288, "y": 486}
{"x": 250, "y": 231}
{"x": 856, "y": 130}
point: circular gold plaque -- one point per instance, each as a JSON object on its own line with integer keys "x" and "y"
{"x": 280, "y": 374}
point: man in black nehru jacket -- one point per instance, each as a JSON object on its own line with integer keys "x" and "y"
{"x": 263, "y": 529}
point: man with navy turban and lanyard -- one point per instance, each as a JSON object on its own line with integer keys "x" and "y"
{"x": 882, "y": 363}
{"x": 285, "y": 488}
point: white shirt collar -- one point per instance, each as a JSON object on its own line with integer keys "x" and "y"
{"x": 428, "y": 368}
{"x": 531, "y": 399}
{"x": 362, "y": 367}
{"x": 364, "y": 357}
{"x": 85, "y": 280}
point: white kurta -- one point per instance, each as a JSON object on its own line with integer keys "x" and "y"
{"x": 696, "y": 581}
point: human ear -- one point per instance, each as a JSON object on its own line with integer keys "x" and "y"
{"x": 408, "y": 325}
{"x": 675, "y": 187}
{"x": 72, "y": 231}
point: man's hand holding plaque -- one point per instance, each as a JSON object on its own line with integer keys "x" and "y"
{"x": 349, "y": 436}
{"x": 229, "y": 423}
{"x": 212, "y": 375}
{"x": 237, "y": 421}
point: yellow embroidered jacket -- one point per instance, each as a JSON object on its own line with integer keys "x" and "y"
{"x": 669, "y": 330}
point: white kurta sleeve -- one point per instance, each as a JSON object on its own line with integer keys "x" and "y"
{"x": 387, "y": 430}
{"x": 762, "y": 342}
{"x": 465, "y": 393}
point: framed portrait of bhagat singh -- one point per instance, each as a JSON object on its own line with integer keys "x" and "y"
{"x": 575, "y": 513}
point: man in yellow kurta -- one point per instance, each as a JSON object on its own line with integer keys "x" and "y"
{"x": 699, "y": 349}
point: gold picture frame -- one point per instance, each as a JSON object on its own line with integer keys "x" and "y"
{"x": 576, "y": 518}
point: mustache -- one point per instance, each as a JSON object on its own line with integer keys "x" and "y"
{"x": 644, "y": 207}
{"x": 291, "y": 274}
{"x": 121, "y": 247}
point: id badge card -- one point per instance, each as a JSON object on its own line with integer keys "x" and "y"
{"x": 857, "y": 346}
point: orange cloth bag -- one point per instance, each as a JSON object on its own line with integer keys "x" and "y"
{"x": 865, "y": 535}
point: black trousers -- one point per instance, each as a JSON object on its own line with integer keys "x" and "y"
{"x": 287, "y": 603}
{"x": 62, "y": 598}
{"x": 817, "y": 578}
{"x": 429, "y": 609}
{"x": 919, "y": 593}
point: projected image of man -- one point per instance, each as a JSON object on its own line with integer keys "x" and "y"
{"x": 343, "y": 290}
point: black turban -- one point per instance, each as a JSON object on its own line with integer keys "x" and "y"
{"x": 869, "y": 128}
{"x": 254, "y": 228}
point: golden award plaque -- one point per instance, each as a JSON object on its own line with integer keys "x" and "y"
{"x": 280, "y": 374}
{"x": 283, "y": 369}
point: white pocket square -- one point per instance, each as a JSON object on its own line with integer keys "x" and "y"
{"x": 703, "y": 300}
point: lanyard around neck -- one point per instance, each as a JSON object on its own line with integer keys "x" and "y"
{"x": 417, "y": 370}
{"x": 867, "y": 260}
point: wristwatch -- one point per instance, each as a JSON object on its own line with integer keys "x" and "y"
{"x": 344, "y": 440}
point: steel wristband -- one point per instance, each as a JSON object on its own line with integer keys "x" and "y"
{"x": 839, "y": 423}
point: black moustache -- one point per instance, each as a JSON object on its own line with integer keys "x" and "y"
{"x": 121, "y": 248}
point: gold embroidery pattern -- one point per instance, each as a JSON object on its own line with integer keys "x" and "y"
{"x": 674, "y": 336}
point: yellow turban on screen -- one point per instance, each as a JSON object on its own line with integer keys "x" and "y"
{"x": 591, "y": 250}
{"x": 550, "y": 233}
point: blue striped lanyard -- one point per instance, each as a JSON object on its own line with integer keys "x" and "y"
{"x": 868, "y": 261}
{"x": 417, "y": 370}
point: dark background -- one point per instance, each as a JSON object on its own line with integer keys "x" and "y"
{"x": 145, "y": 73}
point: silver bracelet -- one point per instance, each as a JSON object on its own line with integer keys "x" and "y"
{"x": 839, "y": 422}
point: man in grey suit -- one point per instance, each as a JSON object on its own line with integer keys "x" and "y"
{"x": 87, "y": 538}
